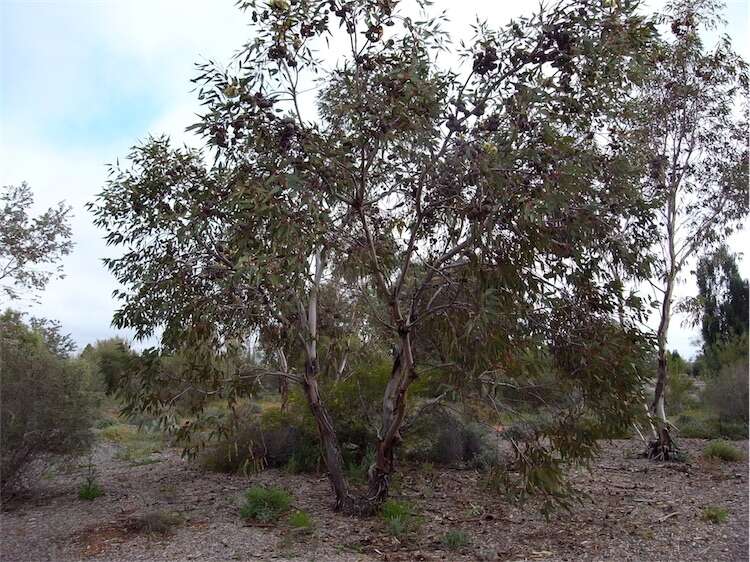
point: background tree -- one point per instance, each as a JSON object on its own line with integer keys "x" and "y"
{"x": 489, "y": 198}
{"x": 30, "y": 248}
{"x": 699, "y": 166}
{"x": 722, "y": 297}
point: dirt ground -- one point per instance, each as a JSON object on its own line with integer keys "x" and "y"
{"x": 636, "y": 511}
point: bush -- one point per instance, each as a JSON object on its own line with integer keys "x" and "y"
{"x": 273, "y": 440}
{"x": 89, "y": 490}
{"x": 443, "y": 438}
{"x": 265, "y": 504}
{"x": 453, "y": 540}
{"x": 700, "y": 424}
{"x": 726, "y": 395}
{"x": 723, "y": 451}
{"x": 301, "y": 521}
{"x": 46, "y": 405}
{"x": 715, "y": 514}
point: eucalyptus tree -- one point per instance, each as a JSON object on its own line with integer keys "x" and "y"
{"x": 31, "y": 248}
{"x": 694, "y": 112}
{"x": 491, "y": 197}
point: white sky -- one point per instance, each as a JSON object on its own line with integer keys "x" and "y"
{"x": 82, "y": 81}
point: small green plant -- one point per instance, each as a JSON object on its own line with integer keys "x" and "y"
{"x": 715, "y": 515}
{"x": 399, "y": 518}
{"x": 301, "y": 521}
{"x": 454, "y": 540}
{"x": 265, "y": 504}
{"x": 722, "y": 450}
{"x": 90, "y": 490}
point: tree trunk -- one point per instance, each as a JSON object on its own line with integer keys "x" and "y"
{"x": 283, "y": 382}
{"x": 389, "y": 436}
{"x": 662, "y": 447}
{"x": 328, "y": 439}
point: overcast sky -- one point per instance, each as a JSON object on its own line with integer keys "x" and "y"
{"x": 82, "y": 81}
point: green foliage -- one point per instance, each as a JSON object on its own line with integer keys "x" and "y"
{"x": 723, "y": 297}
{"x": 301, "y": 521}
{"x": 445, "y": 437}
{"x": 265, "y": 504}
{"x": 714, "y": 514}
{"x": 272, "y": 439}
{"x": 726, "y": 394}
{"x": 455, "y": 540}
{"x": 722, "y": 450}
{"x": 512, "y": 195}
{"x": 113, "y": 360}
{"x": 90, "y": 490}
{"x": 30, "y": 248}
{"x": 680, "y": 391}
{"x": 399, "y": 518}
{"x": 136, "y": 445}
{"x": 46, "y": 404}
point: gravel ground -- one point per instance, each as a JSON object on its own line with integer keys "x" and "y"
{"x": 636, "y": 511}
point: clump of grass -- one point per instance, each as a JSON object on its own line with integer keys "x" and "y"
{"x": 399, "y": 518}
{"x": 454, "y": 540}
{"x": 119, "y": 432}
{"x": 90, "y": 490}
{"x": 137, "y": 446}
{"x": 161, "y": 522}
{"x": 301, "y": 521}
{"x": 722, "y": 450}
{"x": 265, "y": 504}
{"x": 715, "y": 514}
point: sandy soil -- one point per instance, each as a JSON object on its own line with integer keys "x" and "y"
{"x": 636, "y": 511}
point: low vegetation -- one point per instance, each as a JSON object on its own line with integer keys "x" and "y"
{"x": 301, "y": 521}
{"x": 265, "y": 504}
{"x": 399, "y": 518}
{"x": 722, "y": 450}
{"x": 455, "y": 540}
{"x": 46, "y": 405}
{"x": 715, "y": 515}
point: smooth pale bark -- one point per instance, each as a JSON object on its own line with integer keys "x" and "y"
{"x": 283, "y": 382}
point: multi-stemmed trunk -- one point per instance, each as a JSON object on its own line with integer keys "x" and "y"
{"x": 389, "y": 436}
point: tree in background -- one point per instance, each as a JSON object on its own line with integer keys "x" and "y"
{"x": 699, "y": 166}
{"x": 484, "y": 203}
{"x": 722, "y": 297}
{"x": 30, "y": 248}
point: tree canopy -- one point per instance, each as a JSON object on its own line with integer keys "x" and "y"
{"x": 475, "y": 215}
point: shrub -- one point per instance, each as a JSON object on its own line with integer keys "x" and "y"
{"x": 726, "y": 395}
{"x": 399, "y": 517}
{"x": 454, "y": 540}
{"x": 443, "y": 438}
{"x": 45, "y": 405}
{"x": 722, "y": 450}
{"x": 301, "y": 521}
{"x": 265, "y": 504}
{"x": 715, "y": 514}
{"x": 89, "y": 490}
{"x": 112, "y": 360}
{"x": 273, "y": 439}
